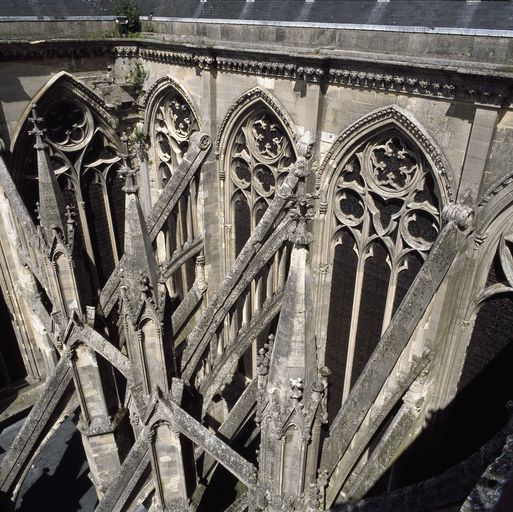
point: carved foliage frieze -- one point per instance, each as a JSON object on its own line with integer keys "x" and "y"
{"x": 391, "y": 77}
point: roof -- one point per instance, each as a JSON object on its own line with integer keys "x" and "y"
{"x": 424, "y": 13}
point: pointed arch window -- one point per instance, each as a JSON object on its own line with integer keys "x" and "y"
{"x": 172, "y": 122}
{"x": 84, "y": 152}
{"x": 384, "y": 215}
{"x": 259, "y": 151}
{"x": 173, "y": 125}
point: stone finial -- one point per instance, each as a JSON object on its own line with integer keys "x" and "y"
{"x": 140, "y": 268}
{"x": 37, "y": 129}
{"x": 126, "y": 171}
{"x": 305, "y": 144}
{"x": 296, "y": 388}
{"x": 201, "y": 278}
{"x": 51, "y": 207}
{"x": 301, "y": 211}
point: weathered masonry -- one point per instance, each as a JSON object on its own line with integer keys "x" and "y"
{"x": 270, "y": 267}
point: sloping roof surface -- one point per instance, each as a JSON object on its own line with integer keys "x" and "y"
{"x": 425, "y": 13}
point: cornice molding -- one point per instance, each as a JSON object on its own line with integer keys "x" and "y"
{"x": 411, "y": 78}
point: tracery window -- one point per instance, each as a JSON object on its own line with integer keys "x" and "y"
{"x": 385, "y": 217}
{"x": 173, "y": 124}
{"x": 84, "y": 155}
{"x": 493, "y": 321}
{"x": 258, "y": 153}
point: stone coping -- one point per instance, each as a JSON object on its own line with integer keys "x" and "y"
{"x": 416, "y": 29}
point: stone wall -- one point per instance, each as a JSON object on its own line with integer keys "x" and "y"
{"x": 30, "y": 28}
{"x": 333, "y": 93}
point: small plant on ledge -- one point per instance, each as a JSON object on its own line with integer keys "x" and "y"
{"x": 136, "y": 76}
{"x": 139, "y": 141}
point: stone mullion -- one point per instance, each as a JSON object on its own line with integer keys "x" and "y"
{"x": 257, "y": 290}
{"x": 256, "y": 305}
{"x": 226, "y": 331}
{"x": 171, "y": 282}
{"x": 351, "y": 346}
{"x": 144, "y": 363}
{"x": 246, "y": 308}
{"x": 392, "y": 285}
{"x": 88, "y": 243}
{"x": 282, "y": 263}
{"x": 55, "y": 283}
{"x": 108, "y": 212}
{"x": 271, "y": 282}
{"x": 80, "y": 391}
{"x": 193, "y": 198}
{"x": 189, "y": 221}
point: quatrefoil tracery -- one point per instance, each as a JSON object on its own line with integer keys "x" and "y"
{"x": 385, "y": 189}
{"x": 260, "y": 153}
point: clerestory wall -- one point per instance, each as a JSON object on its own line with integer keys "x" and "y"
{"x": 448, "y": 95}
